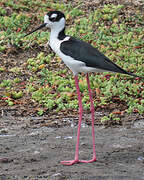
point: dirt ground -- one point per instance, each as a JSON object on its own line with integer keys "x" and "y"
{"x": 33, "y": 151}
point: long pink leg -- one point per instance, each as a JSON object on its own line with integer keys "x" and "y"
{"x": 76, "y": 160}
{"x": 92, "y": 115}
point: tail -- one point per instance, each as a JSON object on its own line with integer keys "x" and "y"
{"x": 111, "y": 66}
{"x": 130, "y": 74}
{"x": 134, "y": 75}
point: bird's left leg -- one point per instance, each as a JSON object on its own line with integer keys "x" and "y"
{"x": 92, "y": 116}
{"x": 76, "y": 159}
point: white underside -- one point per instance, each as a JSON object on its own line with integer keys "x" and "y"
{"x": 75, "y": 65}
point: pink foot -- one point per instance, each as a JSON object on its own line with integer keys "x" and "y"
{"x": 69, "y": 163}
{"x": 89, "y": 161}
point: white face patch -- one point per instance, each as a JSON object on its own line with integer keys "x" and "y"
{"x": 46, "y": 19}
{"x": 53, "y": 15}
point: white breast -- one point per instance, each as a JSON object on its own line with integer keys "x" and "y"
{"x": 74, "y": 65}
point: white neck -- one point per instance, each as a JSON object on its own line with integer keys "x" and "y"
{"x": 57, "y": 35}
{"x": 54, "y": 33}
{"x": 56, "y": 29}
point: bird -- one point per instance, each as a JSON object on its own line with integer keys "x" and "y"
{"x": 79, "y": 57}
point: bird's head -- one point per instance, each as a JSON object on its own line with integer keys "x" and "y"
{"x": 52, "y": 20}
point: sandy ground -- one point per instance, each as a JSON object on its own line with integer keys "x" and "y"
{"x": 33, "y": 153}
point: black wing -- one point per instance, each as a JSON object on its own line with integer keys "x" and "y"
{"x": 86, "y": 53}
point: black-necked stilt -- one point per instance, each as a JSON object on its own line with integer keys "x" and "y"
{"x": 79, "y": 56}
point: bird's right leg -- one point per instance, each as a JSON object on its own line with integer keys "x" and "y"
{"x": 92, "y": 115}
{"x": 76, "y": 159}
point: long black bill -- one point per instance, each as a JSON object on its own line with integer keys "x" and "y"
{"x": 40, "y": 27}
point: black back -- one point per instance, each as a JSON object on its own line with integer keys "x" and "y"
{"x": 82, "y": 51}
